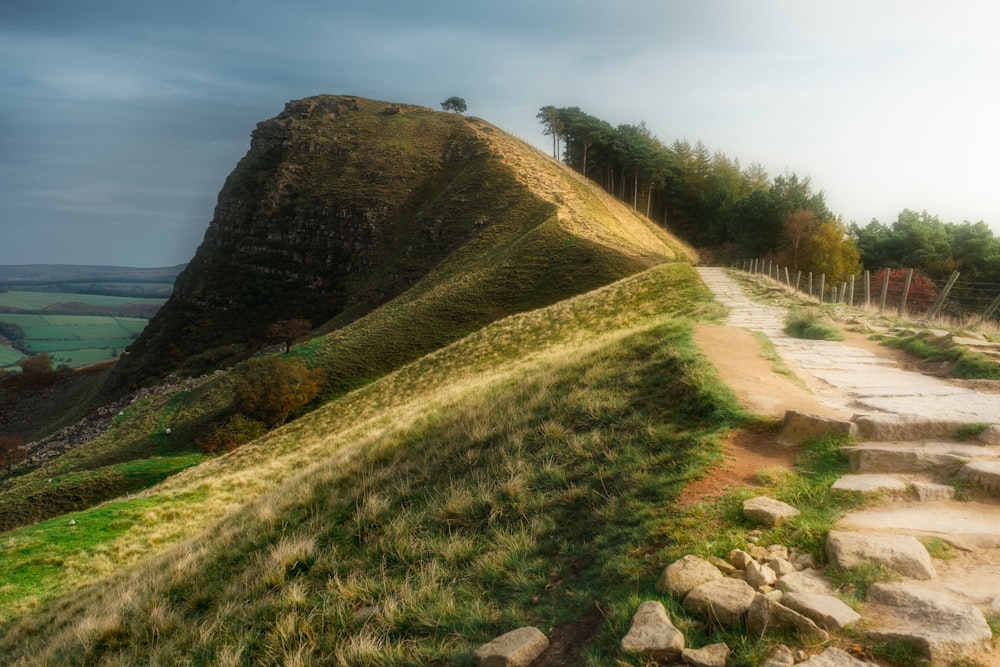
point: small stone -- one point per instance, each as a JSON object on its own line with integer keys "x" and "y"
{"x": 768, "y": 511}
{"x": 740, "y": 559}
{"x": 724, "y": 566}
{"x": 781, "y": 566}
{"x": 760, "y": 575}
{"x": 833, "y": 657}
{"x": 780, "y": 656}
{"x": 653, "y": 634}
{"x": 714, "y": 655}
{"x": 682, "y": 575}
{"x": 71, "y": 522}
{"x": 777, "y": 551}
{"x": 805, "y": 581}
{"x": 517, "y": 648}
{"x": 767, "y": 615}
{"x": 759, "y": 553}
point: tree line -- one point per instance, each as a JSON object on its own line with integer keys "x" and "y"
{"x": 730, "y": 212}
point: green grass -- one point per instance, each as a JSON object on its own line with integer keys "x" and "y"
{"x": 519, "y": 476}
{"x": 966, "y": 363}
{"x": 807, "y": 323}
{"x": 74, "y": 340}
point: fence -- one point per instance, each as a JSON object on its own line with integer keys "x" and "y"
{"x": 898, "y": 290}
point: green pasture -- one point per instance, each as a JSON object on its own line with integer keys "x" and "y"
{"x": 73, "y": 340}
{"x": 43, "y": 300}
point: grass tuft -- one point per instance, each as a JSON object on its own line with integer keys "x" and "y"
{"x": 807, "y": 323}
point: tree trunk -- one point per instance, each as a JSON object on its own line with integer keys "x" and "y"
{"x": 649, "y": 199}
{"x": 635, "y": 192}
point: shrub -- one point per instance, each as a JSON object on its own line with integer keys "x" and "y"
{"x": 269, "y": 389}
{"x": 922, "y": 295}
{"x": 10, "y": 452}
{"x": 236, "y": 432}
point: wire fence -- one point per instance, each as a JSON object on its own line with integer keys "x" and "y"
{"x": 904, "y": 292}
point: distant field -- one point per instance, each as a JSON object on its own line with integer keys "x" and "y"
{"x": 21, "y": 300}
{"x": 9, "y": 356}
{"x": 73, "y": 340}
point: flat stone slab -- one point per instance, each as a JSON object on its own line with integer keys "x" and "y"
{"x": 653, "y": 634}
{"x": 941, "y": 628}
{"x": 902, "y": 553}
{"x": 517, "y": 648}
{"x": 713, "y": 655}
{"x": 889, "y": 427}
{"x": 964, "y": 525}
{"x": 826, "y": 611}
{"x": 801, "y": 426}
{"x": 871, "y": 483}
{"x": 805, "y": 581}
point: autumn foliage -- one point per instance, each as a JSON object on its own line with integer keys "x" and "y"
{"x": 922, "y": 295}
{"x": 10, "y": 452}
{"x": 269, "y": 389}
{"x": 286, "y": 331}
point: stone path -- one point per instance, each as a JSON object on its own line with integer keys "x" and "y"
{"x": 909, "y": 426}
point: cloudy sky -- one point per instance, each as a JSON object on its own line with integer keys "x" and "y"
{"x": 120, "y": 119}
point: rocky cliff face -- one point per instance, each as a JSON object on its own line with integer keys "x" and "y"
{"x": 340, "y": 204}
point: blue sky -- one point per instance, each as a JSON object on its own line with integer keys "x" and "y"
{"x": 120, "y": 119}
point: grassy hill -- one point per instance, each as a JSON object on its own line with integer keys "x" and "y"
{"x": 343, "y": 205}
{"x": 519, "y": 475}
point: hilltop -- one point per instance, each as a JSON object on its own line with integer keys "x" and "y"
{"x": 344, "y": 204}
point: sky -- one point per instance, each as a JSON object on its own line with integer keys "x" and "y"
{"x": 120, "y": 119}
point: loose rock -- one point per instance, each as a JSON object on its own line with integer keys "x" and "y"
{"x": 682, "y": 575}
{"x": 714, "y": 655}
{"x": 826, "y": 611}
{"x": 760, "y": 575}
{"x": 768, "y": 511}
{"x": 781, "y": 656}
{"x": 834, "y": 657}
{"x": 801, "y": 426}
{"x": 723, "y": 602}
{"x": 766, "y": 615}
{"x": 517, "y": 648}
{"x": 653, "y": 634}
{"x": 805, "y": 581}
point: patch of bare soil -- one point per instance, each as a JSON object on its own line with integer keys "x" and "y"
{"x": 745, "y": 453}
{"x": 760, "y": 388}
{"x": 567, "y": 642}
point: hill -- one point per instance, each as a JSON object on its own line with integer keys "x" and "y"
{"x": 516, "y": 476}
{"x": 344, "y": 204}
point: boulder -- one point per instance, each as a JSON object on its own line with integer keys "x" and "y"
{"x": 723, "y": 602}
{"x": 684, "y": 574}
{"x": 653, "y": 634}
{"x": 902, "y": 553}
{"x": 826, "y": 611}
{"x": 714, "y": 655}
{"x": 517, "y": 648}
{"x": 943, "y": 629}
{"x": 768, "y": 615}
{"x": 990, "y": 435}
{"x": 768, "y": 511}
{"x": 834, "y": 657}
{"x": 805, "y": 581}
{"x": 801, "y": 426}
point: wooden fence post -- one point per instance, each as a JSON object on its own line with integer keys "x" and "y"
{"x": 798, "y": 279}
{"x": 868, "y": 288}
{"x": 851, "y": 300}
{"x": 942, "y": 296}
{"x": 787, "y": 279}
{"x": 810, "y": 284}
{"x": 822, "y": 287}
{"x": 885, "y": 292}
{"x": 989, "y": 311}
{"x": 843, "y": 291}
{"x": 906, "y": 292}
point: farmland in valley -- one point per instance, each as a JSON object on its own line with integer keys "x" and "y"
{"x": 74, "y": 329}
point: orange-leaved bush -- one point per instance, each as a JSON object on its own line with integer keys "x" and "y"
{"x": 269, "y": 389}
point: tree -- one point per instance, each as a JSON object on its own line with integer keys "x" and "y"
{"x": 286, "y": 331}
{"x": 269, "y": 389}
{"x": 10, "y": 452}
{"x": 39, "y": 364}
{"x": 456, "y": 104}
{"x": 550, "y": 117}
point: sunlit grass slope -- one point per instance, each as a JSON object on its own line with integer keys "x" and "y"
{"x": 524, "y": 474}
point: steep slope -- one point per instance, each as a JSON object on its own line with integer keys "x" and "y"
{"x": 516, "y": 476}
{"x": 343, "y": 204}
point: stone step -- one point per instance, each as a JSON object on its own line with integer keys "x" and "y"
{"x": 908, "y": 427}
{"x": 925, "y": 488}
{"x": 942, "y": 459}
